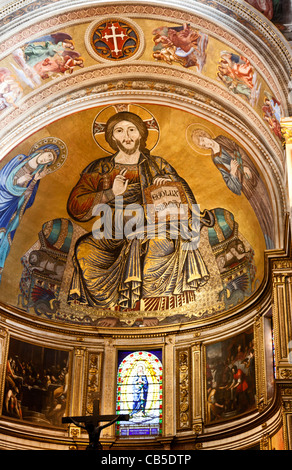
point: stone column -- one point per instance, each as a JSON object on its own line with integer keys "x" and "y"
{"x": 286, "y": 126}
{"x": 77, "y": 382}
{"x": 109, "y": 384}
{"x": 197, "y": 389}
{"x": 4, "y": 343}
{"x": 262, "y": 392}
{"x": 169, "y": 388}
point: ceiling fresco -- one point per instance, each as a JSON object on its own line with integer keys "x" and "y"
{"x": 51, "y": 57}
{"x": 118, "y": 206}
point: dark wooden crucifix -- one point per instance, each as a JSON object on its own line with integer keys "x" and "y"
{"x": 92, "y": 424}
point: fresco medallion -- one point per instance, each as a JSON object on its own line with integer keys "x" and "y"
{"x": 114, "y": 39}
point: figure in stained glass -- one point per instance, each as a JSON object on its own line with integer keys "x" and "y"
{"x": 139, "y": 393}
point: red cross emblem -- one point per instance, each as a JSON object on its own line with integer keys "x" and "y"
{"x": 114, "y": 40}
{"x": 115, "y": 37}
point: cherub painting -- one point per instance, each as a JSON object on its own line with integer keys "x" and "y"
{"x": 238, "y": 75}
{"x": 272, "y": 114}
{"x": 180, "y": 44}
{"x": 10, "y": 89}
{"x": 264, "y": 6}
{"x": 47, "y": 56}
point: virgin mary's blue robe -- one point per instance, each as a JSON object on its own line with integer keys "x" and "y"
{"x": 13, "y": 203}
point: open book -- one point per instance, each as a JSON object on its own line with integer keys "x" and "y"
{"x": 166, "y": 202}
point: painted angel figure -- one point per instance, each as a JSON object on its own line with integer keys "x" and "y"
{"x": 10, "y": 89}
{"x": 180, "y": 44}
{"x": 19, "y": 182}
{"x": 47, "y": 46}
{"x": 238, "y": 75}
{"x": 46, "y": 57}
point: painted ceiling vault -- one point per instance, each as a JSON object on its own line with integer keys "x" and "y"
{"x": 116, "y": 114}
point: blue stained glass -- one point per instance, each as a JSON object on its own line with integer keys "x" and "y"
{"x": 139, "y": 393}
{"x": 137, "y": 432}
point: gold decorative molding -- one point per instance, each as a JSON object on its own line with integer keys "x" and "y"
{"x": 285, "y": 374}
{"x": 197, "y": 388}
{"x": 261, "y": 386}
{"x": 286, "y": 127}
{"x": 285, "y": 388}
{"x": 287, "y": 134}
{"x": 265, "y": 442}
{"x": 4, "y": 344}
{"x": 287, "y": 405}
{"x": 282, "y": 264}
{"x": 74, "y": 431}
{"x": 183, "y": 390}
{"x": 198, "y": 428}
{"x": 282, "y": 315}
{"x": 93, "y": 380}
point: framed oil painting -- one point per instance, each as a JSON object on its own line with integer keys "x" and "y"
{"x": 230, "y": 377}
{"x": 36, "y": 383}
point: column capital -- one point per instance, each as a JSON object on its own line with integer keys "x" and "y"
{"x": 286, "y": 128}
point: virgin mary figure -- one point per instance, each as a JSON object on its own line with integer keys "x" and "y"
{"x": 19, "y": 182}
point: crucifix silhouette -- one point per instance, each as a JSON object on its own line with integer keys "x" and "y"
{"x": 92, "y": 424}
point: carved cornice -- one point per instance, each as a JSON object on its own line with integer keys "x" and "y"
{"x": 24, "y": 324}
{"x": 285, "y": 389}
{"x": 185, "y": 86}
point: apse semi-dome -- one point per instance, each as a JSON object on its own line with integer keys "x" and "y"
{"x": 66, "y": 79}
{"x": 145, "y": 249}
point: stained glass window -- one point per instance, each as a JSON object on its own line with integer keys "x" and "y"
{"x": 139, "y": 393}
